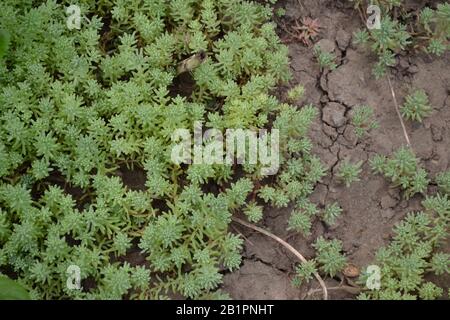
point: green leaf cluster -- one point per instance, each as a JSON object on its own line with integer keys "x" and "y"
{"x": 325, "y": 59}
{"x": 362, "y": 120}
{"x": 428, "y": 28}
{"x": 414, "y": 254}
{"x": 404, "y": 170}
{"x": 349, "y": 172}
{"x": 329, "y": 260}
{"x": 416, "y": 106}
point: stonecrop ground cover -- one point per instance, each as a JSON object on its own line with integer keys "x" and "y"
{"x": 76, "y": 105}
{"x": 84, "y": 100}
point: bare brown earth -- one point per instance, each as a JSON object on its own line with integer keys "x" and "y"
{"x": 371, "y": 207}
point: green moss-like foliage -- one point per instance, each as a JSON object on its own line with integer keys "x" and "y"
{"x": 77, "y": 105}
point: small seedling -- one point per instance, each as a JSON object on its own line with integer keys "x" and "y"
{"x": 304, "y": 31}
{"x": 280, "y": 12}
{"x": 253, "y": 212}
{"x": 328, "y": 260}
{"x": 416, "y": 106}
{"x": 403, "y": 170}
{"x": 301, "y": 218}
{"x": 329, "y": 256}
{"x": 428, "y": 29}
{"x": 435, "y": 27}
{"x": 443, "y": 182}
{"x": 326, "y": 60}
{"x": 349, "y": 173}
{"x": 296, "y": 93}
{"x": 331, "y": 213}
{"x": 304, "y": 272}
{"x": 363, "y": 121}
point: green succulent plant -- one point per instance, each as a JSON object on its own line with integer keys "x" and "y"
{"x": 431, "y": 31}
{"x": 413, "y": 254}
{"x": 78, "y": 107}
{"x": 363, "y": 121}
{"x": 416, "y": 106}
{"x": 349, "y": 172}
{"x": 403, "y": 170}
{"x": 325, "y": 59}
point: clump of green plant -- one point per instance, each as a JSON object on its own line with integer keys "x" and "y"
{"x": 4, "y": 42}
{"x": 329, "y": 256}
{"x": 325, "y": 59}
{"x": 329, "y": 260}
{"x": 391, "y": 38}
{"x": 363, "y": 121}
{"x": 300, "y": 169}
{"x": 403, "y": 170}
{"x": 435, "y": 28}
{"x": 428, "y": 29}
{"x": 416, "y": 106}
{"x": 296, "y": 93}
{"x": 253, "y": 212}
{"x": 302, "y": 217}
{"x": 413, "y": 254}
{"x": 280, "y": 12}
{"x": 304, "y": 272}
{"x": 443, "y": 182}
{"x": 349, "y": 172}
{"x": 331, "y": 213}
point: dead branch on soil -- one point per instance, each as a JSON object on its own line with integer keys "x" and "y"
{"x": 288, "y": 247}
{"x": 349, "y": 289}
{"x": 397, "y": 109}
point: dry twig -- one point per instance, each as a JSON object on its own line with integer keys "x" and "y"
{"x": 287, "y": 246}
{"x": 349, "y": 289}
{"x": 397, "y": 109}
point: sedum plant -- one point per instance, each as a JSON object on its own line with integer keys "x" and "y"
{"x": 435, "y": 26}
{"x": 349, "y": 172}
{"x": 391, "y": 38}
{"x": 304, "y": 272}
{"x": 428, "y": 29}
{"x": 362, "y": 120}
{"x": 416, "y": 106}
{"x": 403, "y": 170}
{"x": 325, "y": 59}
{"x": 301, "y": 218}
{"x": 329, "y": 260}
{"x": 331, "y": 213}
{"x": 296, "y": 93}
{"x": 79, "y": 106}
{"x": 329, "y": 256}
{"x": 414, "y": 254}
{"x": 443, "y": 181}
{"x": 305, "y": 212}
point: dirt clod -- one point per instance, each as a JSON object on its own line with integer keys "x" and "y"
{"x": 334, "y": 114}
